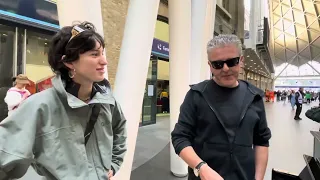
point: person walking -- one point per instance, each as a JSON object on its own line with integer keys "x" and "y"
{"x": 299, "y": 101}
{"x": 292, "y": 99}
{"x": 222, "y": 130}
{"x": 74, "y": 130}
{"x": 17, "y": 94}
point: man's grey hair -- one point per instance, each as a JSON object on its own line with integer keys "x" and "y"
{"x": 223, "y": 40}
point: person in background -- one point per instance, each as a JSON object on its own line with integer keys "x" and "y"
{"x": 308, "y": 97}
{"x": 292, "y": 99}
{"x": 222, "y": 130}
{"x": 74, "y": 130}
{"x": 284, "y": 96}
{"x": 17, "y": 94}
{"x": 299, "y": 101}
{"x": 271, "y": 94}
{"x": 164, "y": 97}
{"x": 267, "y": 93}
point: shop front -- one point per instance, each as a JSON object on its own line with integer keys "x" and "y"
{"x": 157, "y": 83}
{"x": 26, "y": 28}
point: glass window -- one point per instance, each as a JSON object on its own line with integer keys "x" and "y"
{"x": 7, "y": 35}
{"x": 7, "y": 39}
{"x": 37, "y": 67}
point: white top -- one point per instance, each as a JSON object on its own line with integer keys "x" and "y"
{"x": 14, "y": 97}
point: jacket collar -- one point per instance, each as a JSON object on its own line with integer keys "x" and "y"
{"x": 103, "y": 93}
{"x": 203, "y": 85}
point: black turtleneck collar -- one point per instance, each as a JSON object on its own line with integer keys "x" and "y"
{"x": 73, "y": 88}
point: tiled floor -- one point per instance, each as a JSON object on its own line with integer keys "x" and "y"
{"x": 290, "y": 140}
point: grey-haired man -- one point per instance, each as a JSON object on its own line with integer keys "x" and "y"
{"x": 222, "y": 131}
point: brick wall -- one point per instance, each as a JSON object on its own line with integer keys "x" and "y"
{"x": 114, "y": 14}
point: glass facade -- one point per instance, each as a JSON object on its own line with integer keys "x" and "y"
{"x": 7, "y": 55}
{"x": 22, "y": 51}
{"x": 37, "y": 47}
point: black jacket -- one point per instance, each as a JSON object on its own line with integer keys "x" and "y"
{"x": 200, "y": 127}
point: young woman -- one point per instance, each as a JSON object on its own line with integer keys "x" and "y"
{"x": 75, "y": 130}
{"x": 17, "y": 94}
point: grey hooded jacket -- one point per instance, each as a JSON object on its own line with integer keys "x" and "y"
{"x": 47, "y": 132}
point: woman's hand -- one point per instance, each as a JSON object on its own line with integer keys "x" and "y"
{"x": 110, "y": 174}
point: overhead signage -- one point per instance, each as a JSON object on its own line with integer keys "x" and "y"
{"x": 41, "y": 12}
{"x": 160, "y": 48}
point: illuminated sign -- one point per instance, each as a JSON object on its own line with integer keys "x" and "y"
{"x": 41, "y": 12}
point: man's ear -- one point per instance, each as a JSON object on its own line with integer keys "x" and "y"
{"x": 242, "y": 61}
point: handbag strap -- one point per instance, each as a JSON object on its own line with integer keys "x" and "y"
{"x": 90, "y": 125}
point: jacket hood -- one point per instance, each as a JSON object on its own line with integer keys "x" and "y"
{"x": 102, "y": 95}
{"x": 202, "y": 86}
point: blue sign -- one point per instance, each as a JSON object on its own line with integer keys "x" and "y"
{"x": 160, "y": 48}
{"x": 42, "y": 12}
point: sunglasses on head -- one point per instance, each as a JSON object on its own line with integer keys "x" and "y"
{"x": 230, "y": 63}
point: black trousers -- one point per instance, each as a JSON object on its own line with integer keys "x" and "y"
{"x": 298, "y": 111}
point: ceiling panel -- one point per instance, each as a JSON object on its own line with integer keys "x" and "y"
{"x": 315, "y": 26}
{"x": 291, "y": 43}
{"x": 308, "y": 6}
{"x": 310, "y": 19}
{"x": 313, "y": 35}
{"x": 289, "y": 54}
{"x": 296, "y": 32}
{"x": 289, "y": 16}
{"x": 299, "y": 29}
{"x": 299, "y": 17}
{"x": 277, "y": 11}
{"x": 275, "y": 4}
{"x": 315, "y": 51}
{"x": 297, "y": 5}
{"x": 280, "y": 40}
{"x": 286, "y": 2}
{"x": 306, "y": 53}
{"x": 277, "y": 33}
{"x": 285, "y": 9}
{"x": 304, "y": 36}
{"x": 316, "y": 43}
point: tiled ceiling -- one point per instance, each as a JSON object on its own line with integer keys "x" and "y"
{"x": 296, "y": 31}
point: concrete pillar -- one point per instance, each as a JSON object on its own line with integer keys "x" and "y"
{"x": 180, "y": 51}
{"x": 253, "y": 23}
{"x": 132, "y": 71}
{"x": 68, "y": 15}
{"x": 202, "y": 24}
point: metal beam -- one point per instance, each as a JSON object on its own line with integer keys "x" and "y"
{"x": 285, "y": 67}
{"x": 313, "y": 68}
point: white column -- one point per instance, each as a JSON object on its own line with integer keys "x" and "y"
{"x": 180, "y": 48}
{"x": 72, "y": 11}
{"x": 254, "y": 15}
{"x": 133, "y": 69}
{"x": 203, "y": 17}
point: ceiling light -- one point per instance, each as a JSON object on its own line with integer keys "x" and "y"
{"x": 250, "y": 66}
{"x": 251, "y": 60}
{"x": 254, "y": 63}
{"x": 248, "y": 56}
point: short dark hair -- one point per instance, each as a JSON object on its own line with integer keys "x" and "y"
{"x": 61, "y": 45}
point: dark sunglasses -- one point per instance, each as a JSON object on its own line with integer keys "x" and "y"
{"x": 230, "y": 63}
